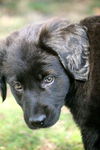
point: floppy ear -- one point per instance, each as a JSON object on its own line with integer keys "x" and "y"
{"x": 3, "y": 88}
{"x": 70, "y": 43}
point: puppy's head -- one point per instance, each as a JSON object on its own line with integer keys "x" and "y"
{"x": 38, "y": 64}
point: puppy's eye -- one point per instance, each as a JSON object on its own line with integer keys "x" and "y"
{"x": 18, "y": 87}
{"x": 48, "y": 79}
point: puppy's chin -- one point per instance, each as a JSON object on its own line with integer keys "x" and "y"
{"x": 47, "y": 123}
{"x": 44, "y": 126}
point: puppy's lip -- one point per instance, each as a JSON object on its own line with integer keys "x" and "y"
{"x": 32, "y": 127}
{"x": 42, "y": 127}
{"x": 50, "y": 121}
{"x": 35, "y": 128}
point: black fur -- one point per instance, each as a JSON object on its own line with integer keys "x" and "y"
{"x": 54, "y": 64}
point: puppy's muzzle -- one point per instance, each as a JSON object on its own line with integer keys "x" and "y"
{"x": 37, "y": 121}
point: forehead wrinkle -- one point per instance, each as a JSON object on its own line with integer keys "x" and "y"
{"x": 28, "y": 57}
{"x": 40, "y": 66}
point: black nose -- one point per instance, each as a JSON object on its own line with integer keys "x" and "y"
{"x": 37, "y": 121}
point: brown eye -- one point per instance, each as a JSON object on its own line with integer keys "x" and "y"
{"x": 18, "y": 87}
{"x": 49, "y": 79}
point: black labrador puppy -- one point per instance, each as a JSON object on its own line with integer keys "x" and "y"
{"x": 53, "y": 64}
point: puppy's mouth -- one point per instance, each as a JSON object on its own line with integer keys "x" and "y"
{"x": 46, "y": 124}
{"x": 40, "y": 127}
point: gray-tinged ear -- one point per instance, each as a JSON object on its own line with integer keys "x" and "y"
{"x": 3, "y": 88}
{"x": 70, "y": 42}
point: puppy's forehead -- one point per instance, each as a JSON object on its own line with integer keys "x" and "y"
{"x": 24, "y": 54}
{"x": 30, "y": 32}
{"x": 27, "y": 57}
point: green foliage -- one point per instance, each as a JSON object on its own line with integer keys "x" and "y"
{"x": 45, "y": 6}
{"x": 95, "y": 4}
{"x": 39, "y": 6}
{"x": 10, "y": 5}
{"x": 18, "y": 7}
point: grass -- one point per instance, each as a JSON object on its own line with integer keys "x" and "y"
{"x": 15, "y": 135}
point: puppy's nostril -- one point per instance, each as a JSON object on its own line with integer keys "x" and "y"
{"x": 37, "y": 121}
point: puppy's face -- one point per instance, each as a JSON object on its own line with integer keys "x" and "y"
{"x": 38, "y": 82}
{"x": 33, "y": 62}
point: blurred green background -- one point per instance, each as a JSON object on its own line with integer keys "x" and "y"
{"x": 14, "y": 134}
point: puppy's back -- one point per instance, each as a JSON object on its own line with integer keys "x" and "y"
{"x": 93, "y": 30}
